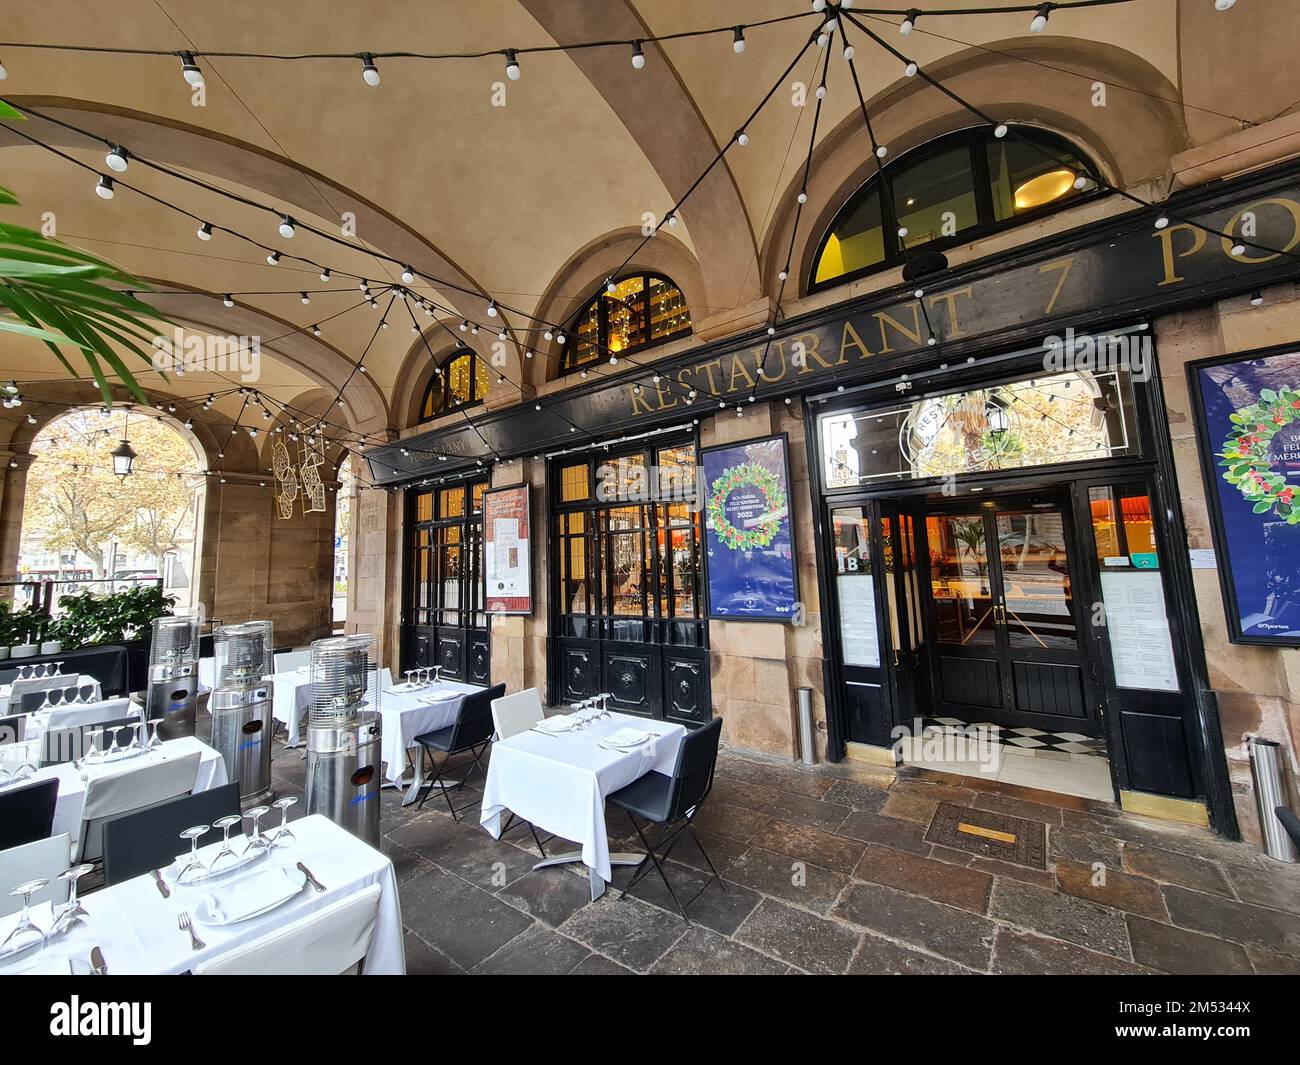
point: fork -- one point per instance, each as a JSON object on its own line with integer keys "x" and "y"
{"x": 183, "y": 920}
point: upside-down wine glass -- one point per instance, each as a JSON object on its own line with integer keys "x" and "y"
{"x": 72, "y": 913}
{"x": 256, "y": 841}
{"x": 284, "y": 835}
{"x": 26, "y": 933}
{"x": 226, "y": 854}
{"x": 194, "y": 869}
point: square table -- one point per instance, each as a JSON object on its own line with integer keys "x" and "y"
{"x": 558, "y": 782}
{"x": 406, "y": 716}
{"x": 136, "y": 928}
{"x": 72, "y": 783}
{"x": 291, "y": 695}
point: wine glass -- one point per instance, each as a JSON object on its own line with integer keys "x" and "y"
{"x": 195, "y": 869}
{"x": 137, "y": 737}
{"x": 283, "y": 834}
{"x": 437, "y": 674}
{"x": 408, "y": 673}
{"x": 94, "y": 754}
{"x": 154, "y": 741}
{"x": 71, "y": 915}
{"x": 226, "y": 853}
{"x": 256, "y": 841}
{"x": 86, "y": 693}
{"x": 24, "y": 672}
{"x": 26, "y": 934}
{"x": 58, "y": 669}
{"x": 53, "y": 697}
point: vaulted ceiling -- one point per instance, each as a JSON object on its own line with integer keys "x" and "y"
{"x": 492, "y": 200}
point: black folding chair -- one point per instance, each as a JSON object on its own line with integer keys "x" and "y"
{"x": 472, "y": 732}
{"x": 68, "y": 744}
{"x": 27, "y": 813}
{"x": 673, "y": 803}
{"x": 1290, "y": 822}
{"x": 149, "y": 839}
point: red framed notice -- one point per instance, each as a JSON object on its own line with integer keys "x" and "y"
{"x": 507, "y": 559}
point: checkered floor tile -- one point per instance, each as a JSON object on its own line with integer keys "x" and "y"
{"x": 1027, "y": 739}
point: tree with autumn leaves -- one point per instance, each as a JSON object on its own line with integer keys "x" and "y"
{"x": 75, "y": 502}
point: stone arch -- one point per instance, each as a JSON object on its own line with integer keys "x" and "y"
{"x": 582, "y": 275}
{"x": 1032, "y": 82}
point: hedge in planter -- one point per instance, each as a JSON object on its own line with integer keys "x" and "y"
{"x": 88, "y": 619}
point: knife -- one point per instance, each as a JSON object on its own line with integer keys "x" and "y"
{"x": 163, "y": 889}
{"x": 310, "y": 879}
{"x": 97, "y": 965}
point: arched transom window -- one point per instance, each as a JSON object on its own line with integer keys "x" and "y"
{"x": 459, "y": 382}
{"x": 641, "y": 310}
{"x": 950, "y": 191}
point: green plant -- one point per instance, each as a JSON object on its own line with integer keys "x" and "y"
{"x": 6, "y": 624}
{"x": 66, "y": 297}
{"x": 88, "y": 619}
{"x": 29, "y": 623}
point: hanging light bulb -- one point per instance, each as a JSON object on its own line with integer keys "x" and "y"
{"x": 1080, "y": 181}
{"x": 849, "y": 52}
{"x": 803, "y": 196}
{"x": 228, "y": 300}
{"x": 501, "y": 334}
{"x": 369, "y": 72}
{"x": 672, "y": 220}
{"x": 902, "y": 231}
{"x": 512, "y": 64}
{"x": 742, "y": 138}
{"x": 560, "y": 337}
{"x": 738, "y": 40}
{"x": 1219, "y": 5}
{"x": 819, "y": 6}
{"x": 1000, "y": 130}
{"x": 1162, "y": 221}
{"x": 492, "y": 308}
{"x": 408, "y": 275}
{"x": 190, "y": 70}
{"x": 1039, "y": 22}
{"x": 116, "y": 158}
{"x": 1256, "y": 298}
{"x": 104, "y": 190}
{"x": 204, "y": 231}
{"x": 609, "y": 285}
{"x": 821, "y": 92}
{"x": 1238, "y": 247}
{"x": 3, "y": 73}
{"x": 325, "y": 274}
{"x": 464, "y": 326}
{"x": 305, "y": 298}
{"x": 909, "y": 22}
{"x": 910, "y": 68}
{"x": 274, "y": 258}
{"x": 638, "y": 56}
{"x": 881, "y": 151}
{"x": 286, "y": 226}
{"x": 315, "y": 330}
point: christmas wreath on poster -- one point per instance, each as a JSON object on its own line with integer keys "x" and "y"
{"x": 763, "y": 532}
{"x": 1249, "y": 467}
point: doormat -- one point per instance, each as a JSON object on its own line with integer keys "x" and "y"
{"x": 989, "y": 834}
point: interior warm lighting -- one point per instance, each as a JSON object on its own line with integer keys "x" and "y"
{"x": 1044, "y": 189}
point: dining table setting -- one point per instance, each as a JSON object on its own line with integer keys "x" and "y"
{"x": 210, "y": 901}
{"x": 557, "y": 773}
{"x": 411, "y": 708}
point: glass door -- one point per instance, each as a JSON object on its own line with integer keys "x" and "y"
{"x": 1003, "y": 619}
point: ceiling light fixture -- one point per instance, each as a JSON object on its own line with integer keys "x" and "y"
{"x": 190, "y": 70}
{"x": 116, "y": 158}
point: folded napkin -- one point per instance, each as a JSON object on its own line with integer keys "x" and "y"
{"x": 261, "y": 891}
{"x": 554, "y": 724}
{"x": 439, "y": 696}
{"x": 626, "y": 737}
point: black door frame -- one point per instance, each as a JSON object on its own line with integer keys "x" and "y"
{"x": 989, "y": 506}
{"x": 665, "y": 672}
{"x": 1153, "y": 465}
{"x": 463, "y": 649}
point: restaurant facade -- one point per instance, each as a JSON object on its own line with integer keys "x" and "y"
{"x": 978, "y": 477}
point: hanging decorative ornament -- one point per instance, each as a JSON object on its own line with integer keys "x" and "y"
{"x": 313, "y": 489}
{"x": 286, "y": 478}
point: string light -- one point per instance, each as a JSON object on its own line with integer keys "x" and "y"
{"x": 512, "y": 64}
{"x": 408, "y": 275}
{"x": 228, "y": 300}
{"x": 638, "y": 56}
{"x": 1219, "y": 5}
{"x": 205, "y": 231}
{"x": 909, "y": 22}
{"x": 104, "y": 190}
{"x": 190, "y": 70}
{"x": 1039, "y": 22}
{"x": 369, "y": 72}
{"x": 738, "y": 40}
{"x": 286, "y": 227}
{"x": 273, "y": 259}
{"x": 116, "y": 159}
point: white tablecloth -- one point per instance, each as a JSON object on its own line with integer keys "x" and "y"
{"x": 559, "y": 782}
{"x": 72, "y": 788}
{"x": 290, "y": 700}
{"x": 136, "y": 928}
{"x": 405, "y": 717}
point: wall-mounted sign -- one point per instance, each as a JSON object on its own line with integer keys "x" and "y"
{"x": 1248, "y": 420}
{"x": 1141, "y": 648}
{"x": 1114, "y": 270}
{"x": 507, "y": 562}
{"x": 749, "y": 531}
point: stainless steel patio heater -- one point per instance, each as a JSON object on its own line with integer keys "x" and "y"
{"x": 173, "y": 690}
{"x": 241, "y": 707}
{"x": 343, "y": 733}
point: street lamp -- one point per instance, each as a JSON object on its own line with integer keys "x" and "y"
{"x": 124, "y": 453}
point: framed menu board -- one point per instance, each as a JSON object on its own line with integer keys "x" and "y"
{"x": 507, "y": 560}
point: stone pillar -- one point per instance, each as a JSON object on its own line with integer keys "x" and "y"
{"x": 13, "y": 487}
{"x": 375, "y": 570}
{"x": 755, "y": 666}
{"x": 519, "y": 643}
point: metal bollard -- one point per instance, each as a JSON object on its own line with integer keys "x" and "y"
{"x": 1265, "y": 763}
{"x": 807, "y": 746}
